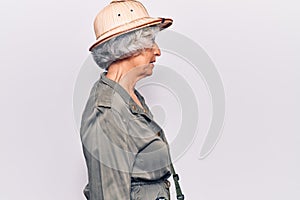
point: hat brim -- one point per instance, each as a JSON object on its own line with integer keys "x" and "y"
{"x": 134, "y": 25}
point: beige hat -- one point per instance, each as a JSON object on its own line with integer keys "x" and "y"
{"x": 122, "y": 16}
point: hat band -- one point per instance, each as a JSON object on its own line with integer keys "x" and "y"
{"x": 122, "y": 25}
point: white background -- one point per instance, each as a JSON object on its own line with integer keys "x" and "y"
{"x": 255, "y": 46}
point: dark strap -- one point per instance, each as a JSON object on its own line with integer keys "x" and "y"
{"x": 179, "y": 194}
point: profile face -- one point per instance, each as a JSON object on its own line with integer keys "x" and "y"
{"x": 147, "y": 58}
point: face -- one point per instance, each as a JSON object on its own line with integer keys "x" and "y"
{"x": 147, "y": 58}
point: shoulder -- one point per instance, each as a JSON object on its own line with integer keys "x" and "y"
{"x": 110, "y": 107}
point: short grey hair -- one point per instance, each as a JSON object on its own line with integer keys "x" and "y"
{"x": 124, "y": 46}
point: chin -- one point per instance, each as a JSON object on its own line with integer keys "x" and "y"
{"x": 149, "y": 70}
{"x": 149, "y": 73}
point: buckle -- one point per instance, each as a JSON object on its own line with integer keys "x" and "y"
{"x": 168, "y": 184}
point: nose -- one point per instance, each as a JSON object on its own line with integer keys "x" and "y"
{"x": 156, "y": 50}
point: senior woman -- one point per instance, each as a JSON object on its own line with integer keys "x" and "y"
{"x": 126, "y": 151}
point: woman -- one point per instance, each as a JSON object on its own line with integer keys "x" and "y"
{"x": 126, "y": 152}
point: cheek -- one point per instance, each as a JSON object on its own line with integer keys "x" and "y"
{"x": 150, "y": 56}
{"x": 146, "y": 56}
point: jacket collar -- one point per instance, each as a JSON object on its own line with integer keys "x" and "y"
{"x": 107, "y": 93}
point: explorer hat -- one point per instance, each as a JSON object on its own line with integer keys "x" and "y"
{"x": 122, "y": 16}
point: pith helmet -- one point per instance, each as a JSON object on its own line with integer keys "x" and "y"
{"x": 122, "y": 16}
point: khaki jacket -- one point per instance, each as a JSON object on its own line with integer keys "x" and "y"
{"x": 122, "y": 144}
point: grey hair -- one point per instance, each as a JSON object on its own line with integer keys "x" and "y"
{"x": 124, "y": 46}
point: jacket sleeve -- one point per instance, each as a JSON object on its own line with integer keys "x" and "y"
{"x": 109, "y": 155}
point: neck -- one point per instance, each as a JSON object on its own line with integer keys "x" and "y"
{"x": 124, "y": 73}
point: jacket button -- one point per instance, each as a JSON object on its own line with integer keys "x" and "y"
{"x": 158, "y": 134}
{"x": 133, "y": 107}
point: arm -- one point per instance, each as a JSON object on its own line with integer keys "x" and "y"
{"x": 109, "y": 156}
